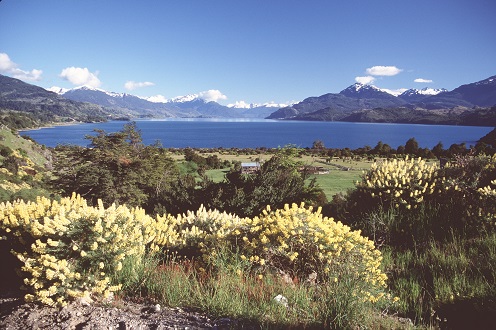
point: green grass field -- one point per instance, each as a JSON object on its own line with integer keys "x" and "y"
{"x": 336, "y": 181}
{"x": 342, "y": 173}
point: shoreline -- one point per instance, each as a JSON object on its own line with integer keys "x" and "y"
{"x": 53, "y": 125}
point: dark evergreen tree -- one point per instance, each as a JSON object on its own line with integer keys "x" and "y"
{"x": 412, "y": 147}
{"x": 117, "y": 168}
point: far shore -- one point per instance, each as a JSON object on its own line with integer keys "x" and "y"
{"x": 53, "y": 125}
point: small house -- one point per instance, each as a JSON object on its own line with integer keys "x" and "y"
{"x": 249, "y": 168}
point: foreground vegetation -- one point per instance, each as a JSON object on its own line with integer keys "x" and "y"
{"x": 413, "y": 239}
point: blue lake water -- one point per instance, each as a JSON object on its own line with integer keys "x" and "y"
{"x": 227, "y": 133}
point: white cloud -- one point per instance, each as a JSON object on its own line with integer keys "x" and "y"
{"x": 58, "y": 90}
{"x": 81, "y": 76}
{"x": 365, "y": 80}
{"x": 212, "y": 95}
{"x": 130, "y": 85}
{"x": 6, "y": 64}
{"x": 380, "y": 70}
{"x": 157, "y": 99}
{"x": 33, "y": 75}
{"x": 11, "y": 68}
{"x": 422, "y": 80}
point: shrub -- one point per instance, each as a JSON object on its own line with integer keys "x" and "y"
{"x": 469, "y": 187}
{"x": 5, "y": 151}
{"x": 409, "y": 202}
{"x": 70, "y": 249}
{"x": 188, "y": 234}
{"x": 295, "y": 241}
{"x": 404, "y": 183}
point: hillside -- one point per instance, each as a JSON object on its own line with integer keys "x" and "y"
{"x": 23, "y": 164}
{"x": 43, "y": 106}
{"x": 470, "y": 104}
{"x": 344, "y": 102}
{"x": 402, "y": 115}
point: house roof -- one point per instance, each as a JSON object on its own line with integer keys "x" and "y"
{"x": 254, "y": 164}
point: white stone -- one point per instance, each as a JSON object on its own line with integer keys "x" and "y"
{"x": 281, "y": 300}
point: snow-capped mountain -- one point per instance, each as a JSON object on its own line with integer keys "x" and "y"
{"x": 191, "y": 105}
{"x": 184, "y": 98}
{"x": 244, "y": 105}
{"x": 489, "y": 81}
{"x": 363, "y": 91}
{"x": 481, "y": 93}
{"x": 57, "y": 90}
{"x": 355, "y": 97}
{"x": 62, "y": 91}
{"x": 424, "y": 91}
{"x": 417, "y": 95}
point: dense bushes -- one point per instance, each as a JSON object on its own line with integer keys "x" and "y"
{"x": 295, "y": 241}
{"x": 278, "y": 182}
{"x": 408, "y": 202}
{"x": 437, "y": 228}
{"x": 69, "y": 249}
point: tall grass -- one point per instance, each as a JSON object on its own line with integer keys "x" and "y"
{"x": 229, "y": 289}
{"x": 434, "y": 281}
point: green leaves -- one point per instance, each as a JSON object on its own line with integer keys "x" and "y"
{"x": 117, "y": 168}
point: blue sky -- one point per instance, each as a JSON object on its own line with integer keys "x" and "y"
{"x": 247, "y": 51}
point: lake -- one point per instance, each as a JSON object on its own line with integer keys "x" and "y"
{"x": 241, "y": 133}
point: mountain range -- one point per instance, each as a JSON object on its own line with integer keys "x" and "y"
{"x": 470, "y": 104}
{"x": 186, "y": 106}
{"x": 354, "y": 103}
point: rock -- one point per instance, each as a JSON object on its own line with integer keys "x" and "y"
{"x": 281, "y": 300}
{"x": 312, "y": 278}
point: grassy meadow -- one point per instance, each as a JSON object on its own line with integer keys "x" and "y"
{"x": 336, "y": 181}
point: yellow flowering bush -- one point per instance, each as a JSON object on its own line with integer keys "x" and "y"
{"x": 409, "y": 202}
{"x": 469, "y": 182}
{"x": 297, "y": 241}
{"x": 189, "y": 234}
{"x": 399, "y": 182}
{"x": 69, "y": 249}
{"x": 301, "y": 242}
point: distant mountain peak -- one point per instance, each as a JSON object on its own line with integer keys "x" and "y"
{"x": 424, "y": 91}
{"x": 357, "y": 87}
{"x": 63, "y": 91}
{"x": 184, "y": 98}
{"x": 363, "y": 91}
{"x": 94, "y": 89}
{"x": 245, "y": 105}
